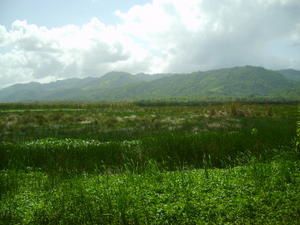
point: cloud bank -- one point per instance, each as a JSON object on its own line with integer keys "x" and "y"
{"x": 160, "y": 36}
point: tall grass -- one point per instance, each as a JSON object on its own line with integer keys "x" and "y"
{"x": 171, "y": 150}
{"x": 298, "y": 130}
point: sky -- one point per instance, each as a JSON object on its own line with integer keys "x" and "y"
{"x": 52, "y": 39}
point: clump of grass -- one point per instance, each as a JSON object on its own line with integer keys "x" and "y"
{"x": 270, "y": 111}
{"x": 170, "y": 149}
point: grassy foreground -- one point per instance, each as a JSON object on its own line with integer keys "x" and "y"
{"x": 126, "y": 164}
{"x": 259, "y": 193}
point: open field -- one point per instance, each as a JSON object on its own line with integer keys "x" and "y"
{"x": 138, "y": 163}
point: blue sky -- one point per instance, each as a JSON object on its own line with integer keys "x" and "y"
{"x": 47, "y": 40}
{"x": 53, "y": 13}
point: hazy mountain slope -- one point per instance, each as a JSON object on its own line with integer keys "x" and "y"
{"x": 151, "y": 77}
{"x": 113, "y": 80}
{"x": 291, "y": 74}
{"x": 37, "y": 91}
{"x": 235, "y": 82}
{"x": 245, "y": 81}
{"x": 69, "y": 89}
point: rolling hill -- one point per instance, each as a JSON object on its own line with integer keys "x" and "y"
{"x": 237, "y": 82}
{"x": 291, "y": 74}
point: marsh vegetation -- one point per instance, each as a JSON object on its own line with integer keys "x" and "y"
{"x": 133, "y": 163}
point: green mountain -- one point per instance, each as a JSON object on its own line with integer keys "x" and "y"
{"x": 237, "y": 82}
{"x": 291, "y": 74}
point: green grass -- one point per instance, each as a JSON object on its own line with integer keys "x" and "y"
{"x": 171, "y": 150}
{"x": 169, "y": 164}
{"x": 254, "y": 194}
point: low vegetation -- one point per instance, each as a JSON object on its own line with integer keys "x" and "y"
{"x": 133, "y": 163}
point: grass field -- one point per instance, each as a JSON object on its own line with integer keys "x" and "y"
{"x": 127, "y": 163}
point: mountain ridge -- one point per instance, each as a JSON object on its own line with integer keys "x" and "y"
{"x": 235, "y": 82}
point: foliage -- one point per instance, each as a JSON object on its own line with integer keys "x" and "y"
{"x": 298, "y": 130}
{"x": 126, "y": 163}
{"x": 254, "y": 194}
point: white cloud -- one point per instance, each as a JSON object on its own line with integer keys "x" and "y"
{"x": 160, "y": 36}
{"x": 39, "y": 53}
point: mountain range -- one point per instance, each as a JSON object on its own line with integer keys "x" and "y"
{"x": 229, "y": 83}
